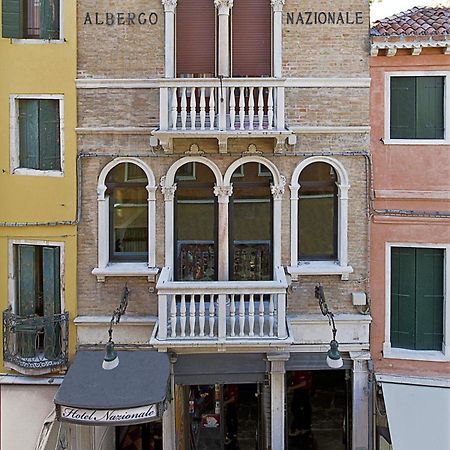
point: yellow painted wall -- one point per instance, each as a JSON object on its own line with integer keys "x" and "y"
{"x": 44, "y": 68}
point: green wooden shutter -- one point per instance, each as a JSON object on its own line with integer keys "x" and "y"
{"x": 51, "y": 293}
{"x": 12, "y": 18}
{"x": 49, "y": 140}
{"x": 49, "y": 19}
{"x": 29, "y": 134}
{"x": 429, "y": 298}
{"x": 430, "y": 108}
{"x": 403, "y": 101}
{"x": 403, "y": 297}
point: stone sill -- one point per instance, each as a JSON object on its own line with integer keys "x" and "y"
{"x": 319, "y": 268}
{"x": 125, "y": 270}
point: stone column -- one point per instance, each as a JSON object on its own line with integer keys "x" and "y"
{"x": 169, "y": 37}
{"x": 168, "y": 420}
{"x": 224, "y": 7}
{"x": 151, "y": 202}
{"x": 277, "y": 193}
{"x": 277, "y": 6}
{"x": 223, "y": 194}
{"x": 169, "y": 194}
{"x": 278, "y": 398}
{"x": 360, "y": 401}
{"x": 294, "y": 224}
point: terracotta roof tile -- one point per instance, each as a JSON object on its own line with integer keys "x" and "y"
{"x": 416, "y": 21}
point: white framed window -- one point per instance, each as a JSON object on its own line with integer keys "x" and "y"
{"x": 416, "y": 109}
{"x": 417, "y": 313}
{"x": 319, "y": 218}
{"x": 37, "y": 134}
{"x": 126, "y": 220}
{"x": 33, "y": 21}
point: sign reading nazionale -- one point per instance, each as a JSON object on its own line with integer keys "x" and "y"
{"x": 325, "y": 18}
{"x": 108, "y": 416}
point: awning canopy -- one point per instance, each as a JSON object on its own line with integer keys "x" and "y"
{"x": 418, "y": 416}
{"x": 133, "y": 392}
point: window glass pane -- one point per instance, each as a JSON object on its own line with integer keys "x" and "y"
{"x": 317, "y": 213}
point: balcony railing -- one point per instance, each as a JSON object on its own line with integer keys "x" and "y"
{"x": 35, "y": 342}
{"x": 210, "y": 312}
{"x": 226, "y": 104}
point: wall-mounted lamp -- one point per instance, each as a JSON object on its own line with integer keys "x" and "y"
{"x": 111, "y": 360}
{"x": 334, "y": 358}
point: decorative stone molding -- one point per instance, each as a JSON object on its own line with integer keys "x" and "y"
{"x": 167, "y": 191}
{"x": 252, "y": 150}
{"x": 277, "y": 5}
{"x": 169, "y": 5}
{"x": 223, "y": 193}
{"x": 278, "y": 190}
{"x": 223, "y": 6}
{"x": 194, "y": 150}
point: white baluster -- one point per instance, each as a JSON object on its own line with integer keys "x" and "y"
{"x": 183, "y": 108}
{"x": 202, "y": 108}
{"x": 271, "y": 315}
{"x": 241, "y": 108}
{"x": 261, "y": 315}
{"x": 232, "y": 108}
{"x": 251, "y": 315}
{"x": 193, "y": 108}
{"x": 173, "y": 316}
{"x": 260, "y": 108}
{"x": 192, "y": 315}
{"x": 174, "y": 108}
{"x": 183, "y": 315}
{"x": 211, "y": 315}
{"x": 201, "y": 314}
{"x": 232, "y": 315}
{"x": 241, "y": 315}
{"x": 212, "y": 110}
{"x": 270, "y": 109}
{"x": 251, "y": 109}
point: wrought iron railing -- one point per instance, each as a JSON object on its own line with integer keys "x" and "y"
{"x": 35, "y": 342}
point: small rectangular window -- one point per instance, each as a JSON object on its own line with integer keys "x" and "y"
{"x": 417, "y": 107}
{"x": 31, "y": 19}
{"x": 39, "y": 134}
{"x": 417, "y": 298}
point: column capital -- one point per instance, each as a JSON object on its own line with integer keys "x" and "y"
{"x": 223, "y": 6}
{"x": 277, "y": 5}
{"x": 168, "y": 191}
{"x": 223, "y": 193}
{"x": 278, "y": 189}
{"x": 169, "y": 5}
{"x": 277, "y": 361}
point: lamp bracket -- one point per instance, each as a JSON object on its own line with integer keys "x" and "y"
{"x": 320, "y": 295}
{"x": 119, "y": 311}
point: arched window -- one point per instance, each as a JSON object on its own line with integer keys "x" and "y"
{"x": 318, "y": 213}
{"x": 128, "y": 213}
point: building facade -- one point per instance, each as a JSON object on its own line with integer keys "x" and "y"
{"x": 38, "y": 211}
{"x": 410, "y": 231}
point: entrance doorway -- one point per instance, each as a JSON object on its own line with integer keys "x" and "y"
{"x": 225, "y": 417}
{"x": 147, "y": 436}
{"x": 318, "y": 410}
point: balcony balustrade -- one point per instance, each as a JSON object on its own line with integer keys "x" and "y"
{"x": 221, "y": 312}
{"x": 35, "y": 343}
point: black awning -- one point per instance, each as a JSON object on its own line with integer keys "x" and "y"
{"x": 133, "y": 392}
{"x": 220, "y": 368}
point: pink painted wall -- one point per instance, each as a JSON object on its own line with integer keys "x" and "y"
{"x": 423, "y": 171}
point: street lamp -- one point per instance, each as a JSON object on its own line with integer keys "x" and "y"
{"x": 334, "y": 358}
{"x": 111, "y": 359}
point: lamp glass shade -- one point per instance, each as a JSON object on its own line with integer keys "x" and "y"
{"x": 111, "y": 360}
{"x": 334, "y": 358}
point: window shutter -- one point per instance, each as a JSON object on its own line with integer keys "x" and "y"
{"x": 195, "y": 42}
{"x": 49, "y": 19}
{"x": 26, "y": 280}
{"x": 403, "y": 107}
{"x": 430, "y": 108}
{"x": 251, "y": 38}
{"x": 403, "y": 297}
{"x": 429, "y": 298}
{"x": 28, "y": 134}
{"x": 49, "y": 141}
{"x": 12, "y": 18}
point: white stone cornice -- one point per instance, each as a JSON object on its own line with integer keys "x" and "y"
{"x": 169, "y": 5}
{"x": 277, "y": 5}
{"x": 414, "y": 46}
{"x": 223, "y": 6}
{"x": 278, "y": 190}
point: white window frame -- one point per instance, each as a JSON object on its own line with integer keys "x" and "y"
{"x": 420, "y": 355}
{"x": 387, "y": 110}
{"x": 105, "y": 268}
{"x": 12, "y": 275}
{"x": 60, "y": 40}
{"x": 15, "y": 168}
{"x": 340, "y": 266}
